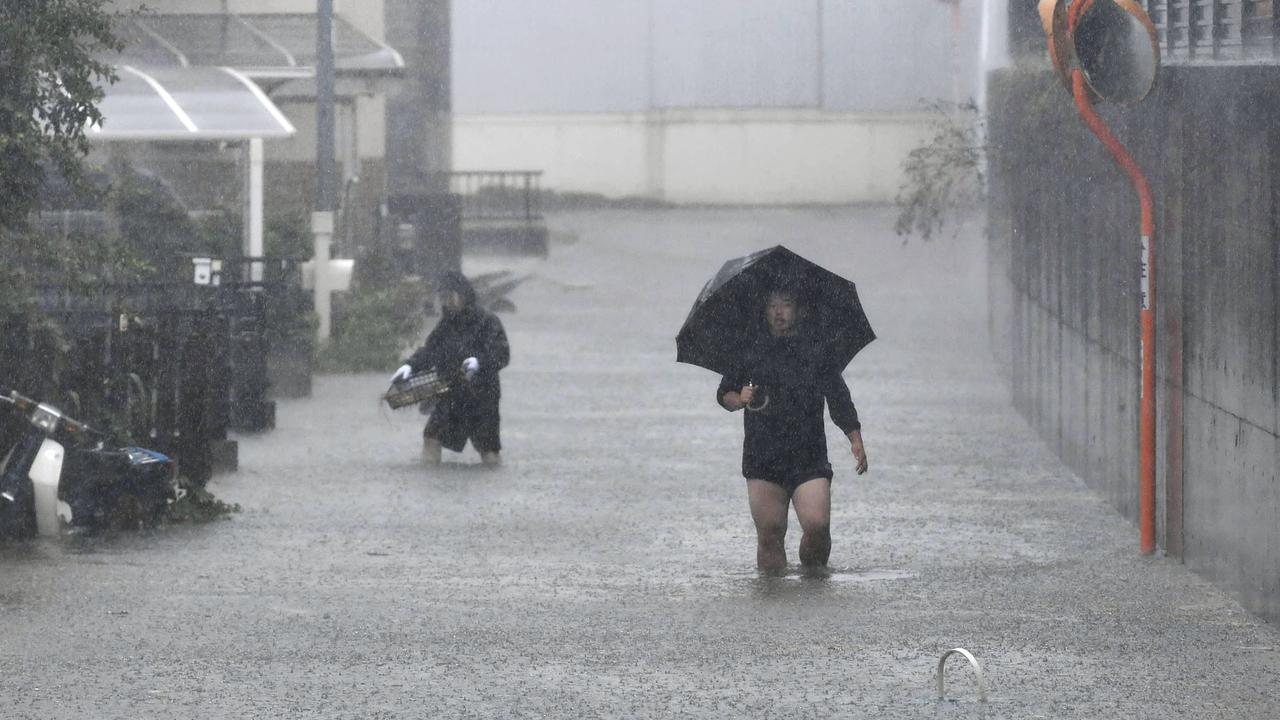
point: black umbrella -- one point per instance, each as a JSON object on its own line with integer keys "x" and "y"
{"x": 728, "y": 315}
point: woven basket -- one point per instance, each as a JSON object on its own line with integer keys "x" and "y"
{"x": 426, "y": 386}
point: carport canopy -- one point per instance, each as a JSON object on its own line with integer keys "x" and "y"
{"x": 187, "y": 103}
{"x": 264, "y": 46}
{"x": 196, "y": 104}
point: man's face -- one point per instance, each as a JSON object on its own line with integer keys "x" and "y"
{"x": 782, "y": 313}
{"x": 450, "y": 300}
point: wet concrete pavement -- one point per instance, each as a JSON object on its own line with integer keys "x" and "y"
{"x": 607, "y": 570}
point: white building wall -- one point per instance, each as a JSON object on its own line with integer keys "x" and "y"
{"x": 602, "y": 153}
{"x": 572, "y": 56}
{"x": 758, "y": 157}
{"x": 707, "y": 101}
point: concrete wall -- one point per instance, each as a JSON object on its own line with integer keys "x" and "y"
{"x": 1064, "y": 291}
{"x": 586, "y": 56}
{"x": 767, "y": 157}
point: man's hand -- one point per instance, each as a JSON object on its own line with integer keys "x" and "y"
{"x": 741, "y": 398}
{"x": 859, "y": 452}
{"x": 738, "y": 399}
{"x": 470, "y": 367}
{"x": 402, "y": 374}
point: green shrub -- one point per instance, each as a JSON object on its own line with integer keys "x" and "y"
{"x": 943, "y": 176}
{"x": 195, "y": 504}
{"x": 288, "y": 234}
{"x": 375, "y": 328}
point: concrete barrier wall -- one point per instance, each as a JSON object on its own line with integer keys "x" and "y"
{"x": 1064, "y": 291}
{"x": 755, "y": 156}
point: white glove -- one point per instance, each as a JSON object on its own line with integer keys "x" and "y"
{"x": 402, "y": 374}
{"x": 470, "y": 366}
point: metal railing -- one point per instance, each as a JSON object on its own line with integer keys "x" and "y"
{"x": 498, "y": 195}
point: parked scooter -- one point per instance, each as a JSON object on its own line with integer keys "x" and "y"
{"x": 61, "y": 472}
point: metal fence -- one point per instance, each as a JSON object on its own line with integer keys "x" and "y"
{"x": 174, "y": 364}
{"x": 1216, "y": 30}
{"x": 268, "y": 315}
{"x": 501, "y": 210}
{"x": 148, "y": 363}
{"x": 498, "y": 194}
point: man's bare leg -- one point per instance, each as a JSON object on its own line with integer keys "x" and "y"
{"x": 813, "y": 508}
{"x": 431, "y": 451}
{"x": 769, "y": 504}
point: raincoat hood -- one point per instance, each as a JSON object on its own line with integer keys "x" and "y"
{"x": 455, "y": 281}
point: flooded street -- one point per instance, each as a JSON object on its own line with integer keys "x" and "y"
{"x": 608, "y": 568}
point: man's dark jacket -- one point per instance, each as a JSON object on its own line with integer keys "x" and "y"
{"x": 469, "y": 332}
{"x": 788, "y": 433}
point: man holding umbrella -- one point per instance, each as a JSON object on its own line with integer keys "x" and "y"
{"x": 780, "y": 330}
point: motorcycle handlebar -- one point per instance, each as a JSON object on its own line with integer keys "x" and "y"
{"x": 68, "y": 424}
{"x": 79, "y": 429}
{"x": 15, "y": 398}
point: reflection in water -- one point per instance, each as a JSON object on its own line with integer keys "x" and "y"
{"x": 797, "y": 580}
{"x": 75, "y": 544}
{"x": 797, "y": 573}
{"x": 459, "y": 466}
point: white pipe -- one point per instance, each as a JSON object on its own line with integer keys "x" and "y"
{"x": 993, "y": 54}
{"x": 322, "y": 231}
{"x": 253, "y": 240}
{"x": 994, "y": 44}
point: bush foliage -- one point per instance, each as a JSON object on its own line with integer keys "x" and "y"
{"x": 375, "y": 327}
{"x": 944, "y": 177}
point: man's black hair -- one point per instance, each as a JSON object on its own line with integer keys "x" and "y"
{"x": 790, "y": 289}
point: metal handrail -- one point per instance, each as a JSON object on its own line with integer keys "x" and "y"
{"x": 510, "y": 195}
{"x": 977, "y": 669}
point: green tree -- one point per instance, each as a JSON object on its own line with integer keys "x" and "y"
{"x": 51, "y": 78}
{"x": 52, "y": 73}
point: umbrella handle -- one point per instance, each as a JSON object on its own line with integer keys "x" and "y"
{"x": 757, "y": 406}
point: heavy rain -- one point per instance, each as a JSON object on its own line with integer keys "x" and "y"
{"x": 639, "y": 359}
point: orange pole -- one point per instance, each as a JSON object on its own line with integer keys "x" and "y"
{"x": 1147, "y": 418}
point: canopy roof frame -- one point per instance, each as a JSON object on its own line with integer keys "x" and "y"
{"x": 264, "y": 46}
{"x": 187, "y": 103}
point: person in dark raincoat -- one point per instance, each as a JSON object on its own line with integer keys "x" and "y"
{"x": 784, "y": 449}
{"x": 471, "y": 341}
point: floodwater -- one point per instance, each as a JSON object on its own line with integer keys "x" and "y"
{"x": 607, "y": 570}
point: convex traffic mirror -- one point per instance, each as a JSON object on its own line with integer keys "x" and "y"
{"x": 1112, "y": 42}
